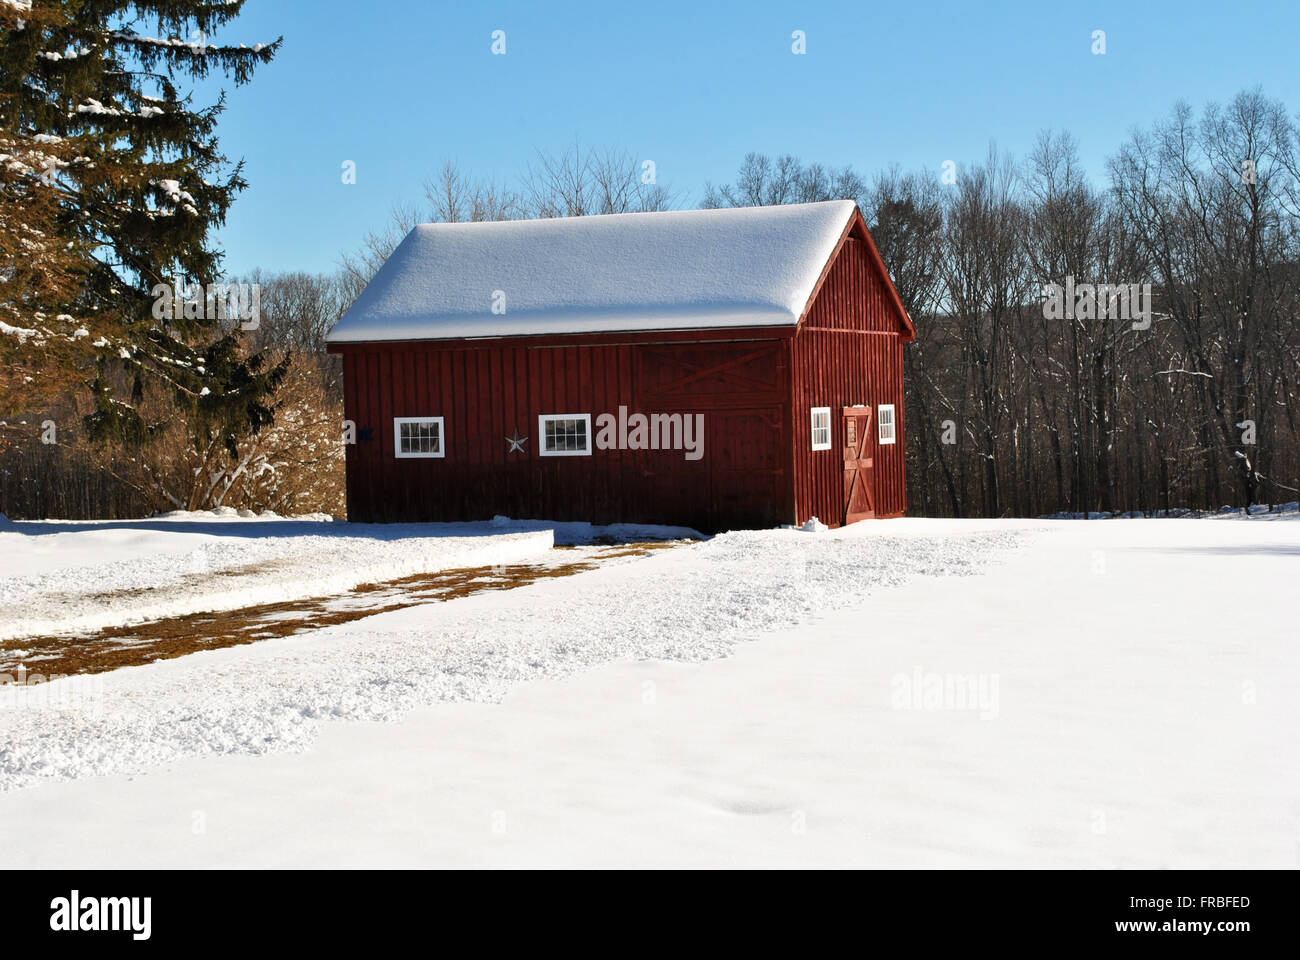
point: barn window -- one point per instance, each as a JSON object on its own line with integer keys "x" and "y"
{"x": 821, "y": 428}
{"x": 885, "y": 418}
{"x": 565, "y": 434}
{"x": 418, "y": 437}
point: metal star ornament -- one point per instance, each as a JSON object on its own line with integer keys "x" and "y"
{"x": 516, "y": 443}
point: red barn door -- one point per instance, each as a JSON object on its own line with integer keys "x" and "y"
{"x": 859, "y": 474}
{"x": 745, "y": 468}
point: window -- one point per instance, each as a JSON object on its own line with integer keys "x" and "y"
{"x": 885, "y": 419}
{"x": 565, "y": 434}
{"x": 418, "y": 437}
{"x": 821, "y": 428}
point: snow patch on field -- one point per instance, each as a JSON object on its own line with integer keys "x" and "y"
{"x": 140, "y": 574}
{"x": 693, "y": 603}
{"x": 75, "y": 577}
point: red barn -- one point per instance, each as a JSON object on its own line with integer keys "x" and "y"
{"x": 709, "y": 368}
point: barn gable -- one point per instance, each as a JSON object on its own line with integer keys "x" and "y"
{"x": 847, "y": 360}
{"x": 860, "y": 272}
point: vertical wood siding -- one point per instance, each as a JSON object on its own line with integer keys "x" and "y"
{"x": 486, "y": 392}
{"x": 848, "y": 351}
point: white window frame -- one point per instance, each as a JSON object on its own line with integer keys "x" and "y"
{"x": 830, "y": 440}
{"x": 397, "y": 438}
{"x": 880, "y": 424}
{"x": 542, "y": 420}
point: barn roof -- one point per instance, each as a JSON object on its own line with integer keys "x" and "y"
{"x": 689, "y": 269}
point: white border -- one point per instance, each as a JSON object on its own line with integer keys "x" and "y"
{"x": 812, "y": 425}
{"x": 397, "y": 438}
{"x": 541, "y": 434}
{"x": 880, "y": 422}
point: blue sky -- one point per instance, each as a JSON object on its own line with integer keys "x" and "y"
{"x": 400, "y": 86}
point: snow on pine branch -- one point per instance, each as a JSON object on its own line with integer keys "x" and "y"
{"x": 198, "y": 45}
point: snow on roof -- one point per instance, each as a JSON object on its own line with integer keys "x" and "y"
{"x": 688, "y": 269}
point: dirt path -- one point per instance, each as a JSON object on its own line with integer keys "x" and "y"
{"x": 32, "y": 659}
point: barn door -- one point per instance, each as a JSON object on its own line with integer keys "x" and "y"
{"x": 859, "y": 472}
{"x": 745, "y": 472}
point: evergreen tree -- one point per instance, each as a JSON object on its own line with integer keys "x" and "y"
{"x": 38, "y": 268}
{"x": 137, "y": 200}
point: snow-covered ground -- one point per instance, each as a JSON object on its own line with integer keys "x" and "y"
{"x": 900, "y": 693}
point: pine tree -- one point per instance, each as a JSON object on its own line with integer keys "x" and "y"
{"x": 39, "y": 270}
{"x": 140, "y": 187}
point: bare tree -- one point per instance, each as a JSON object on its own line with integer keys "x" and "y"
{"x": 579, "y": 181}
{"x": 762, "y": 181}
{"x": 984, "y": 287}
{"x": 356, "y": 269}
{"x": 1210, "y": 201}
{"x": 454, "y": 198}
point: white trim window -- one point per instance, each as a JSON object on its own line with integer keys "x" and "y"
{"x": 885, "y": 423}
{"x": 821, "y": 428}
{"x": 564, "y": 434}
{"x": 418, "y": 437}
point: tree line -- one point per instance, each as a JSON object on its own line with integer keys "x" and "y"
{"x": 1021, "y": 404}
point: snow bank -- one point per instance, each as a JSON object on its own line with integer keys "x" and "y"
{"x": 71, "y": 577}
{"x": 82, "y": 577}
{"x": 230, "y": 513}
